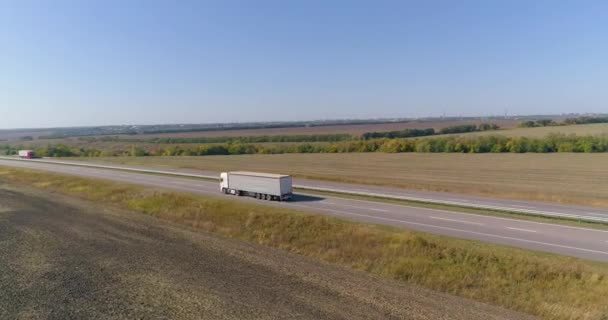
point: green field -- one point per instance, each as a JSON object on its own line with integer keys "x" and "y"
{"x": 559, "y": 177}
{"x": 550, "y": 286}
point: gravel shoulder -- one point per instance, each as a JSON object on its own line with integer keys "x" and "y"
{"x": 62, "y": 258}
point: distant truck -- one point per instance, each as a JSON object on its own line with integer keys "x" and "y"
{"x": 26, "y": 154}
{"x": 266, "y": 186}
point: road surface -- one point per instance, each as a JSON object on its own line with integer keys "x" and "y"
{"x": 61, "y": 258}
{"x": 566, "y": 240}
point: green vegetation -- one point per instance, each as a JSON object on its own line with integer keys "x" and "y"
{"x": 242, "y": 139}
{"x": 586, "y": 120}
{"x": 469, "y": 128}
{"x": 409, "y": 133}
{"x": 406, "y": 133}
{"x": 450, "y": 144}
{"x": 549, "y": 286}
{"x": 568, "y": 121}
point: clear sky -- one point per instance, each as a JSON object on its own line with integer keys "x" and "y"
{"x": 85, "y": 62}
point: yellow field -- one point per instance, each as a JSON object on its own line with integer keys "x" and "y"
{"x": 559, "y": 177}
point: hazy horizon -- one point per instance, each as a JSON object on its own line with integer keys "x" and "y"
{"x": 96, "y": 63}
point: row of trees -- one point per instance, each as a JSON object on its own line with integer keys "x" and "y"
{"x": 464, "y": 128}
{"x": 409, "y": 133}
{"x": 586, "y": 120}
{"x": 480, "y": 144}
{"x": 406, "y": 133}
{"x": 568, "y": 121}
{"x": 243, "y": 139}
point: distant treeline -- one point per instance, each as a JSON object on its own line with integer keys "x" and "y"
{"x": 406, "y": 133}
{"x": 250, "y": 139}
{"x": 409, "y": 133}
{"x": 566, "y": 122}
{"x": 61, "y": 133}
{"x": 447, "y": 144}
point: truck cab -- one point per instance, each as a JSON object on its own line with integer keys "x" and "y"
{"x": 224, "y": 182}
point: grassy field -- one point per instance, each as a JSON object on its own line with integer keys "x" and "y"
{"x": 559, "y": 177}
{"x": 549, "y": 286}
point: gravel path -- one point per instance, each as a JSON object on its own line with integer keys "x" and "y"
{"x": 62, "y": 258}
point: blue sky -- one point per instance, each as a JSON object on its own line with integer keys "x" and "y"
{"x": 67, "y": 63}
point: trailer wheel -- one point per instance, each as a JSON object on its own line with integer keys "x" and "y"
{"x": 269, "y": 198}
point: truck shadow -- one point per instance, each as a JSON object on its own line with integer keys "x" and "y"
{"x": 305, "y": 198}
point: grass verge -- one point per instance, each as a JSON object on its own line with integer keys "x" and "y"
{"x": 550, "y": 286}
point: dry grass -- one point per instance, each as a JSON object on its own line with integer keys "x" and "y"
{"x": 559, "y": 177}
{"x": 550, "y": 286}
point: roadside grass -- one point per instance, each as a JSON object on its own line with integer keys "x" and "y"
{"x": 569, "y": 178}
{"x": 550, "y": 286}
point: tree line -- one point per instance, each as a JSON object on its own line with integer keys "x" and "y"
{"x": 410, "y": 133}
{"x": 238, "y": 139}
{"x": 565, "y": 122}
{"x": 449, "y": 144}
{"x": 406, "y": 133}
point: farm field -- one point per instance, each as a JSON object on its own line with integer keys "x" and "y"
{"x": 355, "y": 129}
{"x": 540, "y": 132}
{"x": 560, "y": 177}
{"x": 350, "y": 129}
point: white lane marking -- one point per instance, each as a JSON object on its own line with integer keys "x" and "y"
{"x": 465, "y": 231}
{"x": 351, "y": 206}
{"x": 475, "y": 215}
{"x": 460, "y": 221}
{"x": 519, "y": 229}
{"x": 520, "y": 206}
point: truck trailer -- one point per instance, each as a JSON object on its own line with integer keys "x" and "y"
{"x": 266, "y": 186}
{"x": 26, "y": 154}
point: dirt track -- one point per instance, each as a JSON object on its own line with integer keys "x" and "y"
{"x": 65, "y": 259}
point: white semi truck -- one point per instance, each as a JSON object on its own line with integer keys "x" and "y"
{"x": 266, "y": 186}
{"x": 26, "y": 154}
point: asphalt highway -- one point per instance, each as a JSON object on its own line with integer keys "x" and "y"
{"x": 566, "y": 240}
